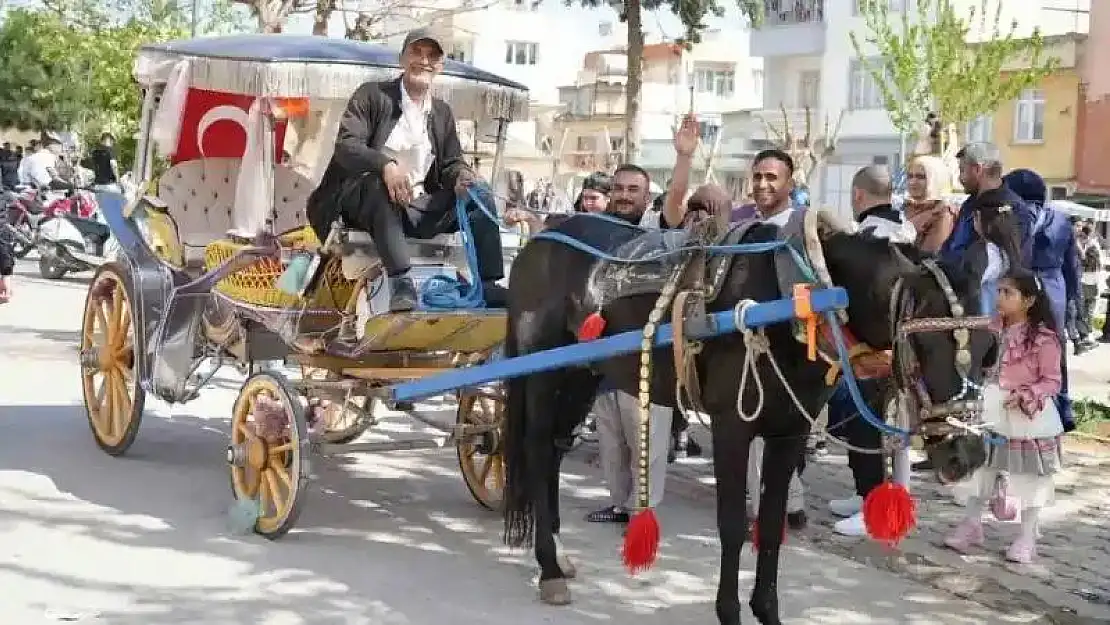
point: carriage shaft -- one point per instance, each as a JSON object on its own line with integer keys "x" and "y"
{"x": 708, "y": 326}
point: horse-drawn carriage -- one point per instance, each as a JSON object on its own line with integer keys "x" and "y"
{"x": 249, "y": 123}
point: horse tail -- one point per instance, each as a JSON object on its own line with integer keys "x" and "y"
{"x": 519, "y": 510}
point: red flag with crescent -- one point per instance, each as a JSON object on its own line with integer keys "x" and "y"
{"x": 214, "y": 125}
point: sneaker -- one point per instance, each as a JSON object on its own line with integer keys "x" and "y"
{"x": 851, "y": 526}
{"x": 612, "y": 514}
{"x": 1022, "y": 551}
{"x": 844, "y": 508}
{"x": 968, "y": 534}
{"x": 402, "y": 294}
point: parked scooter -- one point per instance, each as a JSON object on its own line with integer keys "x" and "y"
{"x": 69, "y": 243}
{"x": 23, "y": 210}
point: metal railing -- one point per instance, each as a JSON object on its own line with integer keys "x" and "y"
{"x": 786, "y": 12}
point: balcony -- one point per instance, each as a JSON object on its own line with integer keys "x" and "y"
{"x": 771, "y": 125}
{"x": 790, "y": 28}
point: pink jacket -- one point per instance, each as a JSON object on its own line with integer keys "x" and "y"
{"x": 1030, "y": 373}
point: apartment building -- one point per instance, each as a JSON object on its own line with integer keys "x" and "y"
{"x": 810, "y": 63}
{"x": 715, "y": 77}
{"x": 1093, "y": 134}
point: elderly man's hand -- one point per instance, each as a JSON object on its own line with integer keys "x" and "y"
{"x": 397, "y": 184}
{"x": 465, "y": 180}
{"x": 518, "y": 216}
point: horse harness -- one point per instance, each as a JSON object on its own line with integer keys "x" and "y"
{"x": 936, "y": 419}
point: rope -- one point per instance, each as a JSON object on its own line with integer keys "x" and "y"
{"x": 447, "y": 292}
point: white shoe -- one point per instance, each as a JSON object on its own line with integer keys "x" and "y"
{"x": 846, "y": 507}
{"x": 851, "y": 526}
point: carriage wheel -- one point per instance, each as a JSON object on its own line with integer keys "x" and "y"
{"x": 341, "y": 422}
{"x": 480, "y": 459}
{"x": 109, "y": 344}
{"x": 267, "y": 453}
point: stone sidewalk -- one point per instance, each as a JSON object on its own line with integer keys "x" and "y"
{"x": 1069, "y": 583}
{"x": 1089, "y": 375}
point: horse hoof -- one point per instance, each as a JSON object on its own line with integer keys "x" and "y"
{"x": 554, "y": 592}
{"x": 569, "y": 570}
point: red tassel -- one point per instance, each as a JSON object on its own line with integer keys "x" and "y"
{"x": 641, "y": 541}
{"x": 889, "y": 513}
{"x": 591, "y": 327}
{"x": 755, "y": 535}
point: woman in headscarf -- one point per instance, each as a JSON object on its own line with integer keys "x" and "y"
{"x": 1055, "y": 262}
{"x": 931, "y": 215}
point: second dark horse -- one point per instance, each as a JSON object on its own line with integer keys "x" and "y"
{"x": 549, "y": 298}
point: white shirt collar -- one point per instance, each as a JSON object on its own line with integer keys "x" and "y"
{"x": 410, "y": 106}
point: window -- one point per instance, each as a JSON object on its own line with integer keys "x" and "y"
{"x": 605, "y": 28}
{"x": 457, "y": 54}
{"x": 586, "y": 144}
{"x": 809, "y": 88}
{"x": 719, "y": 81}
{"x": 757, "y": 84}
{"x": 523, "y": 5}
{"x": 1029, "y": 117}
{"x": 980, "y": 129}
{"x": 894, "y": 6}
{"x": 863, "y": 91}
{"x": 520, "y": 53}
{"x": 708, "y": 131}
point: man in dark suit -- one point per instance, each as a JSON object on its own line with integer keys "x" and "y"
{"x": 398, "y": 169}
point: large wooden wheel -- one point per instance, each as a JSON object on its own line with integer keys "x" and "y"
{"x": 267, "y": 453}
{"x": 109, "y": 345}
{"x": 480, "y": 459}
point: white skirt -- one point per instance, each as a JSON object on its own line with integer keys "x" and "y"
{"x": 1030, "y": 455}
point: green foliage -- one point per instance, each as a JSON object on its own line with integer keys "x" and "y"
{"x": 925, "y": 63}
{"x": 692, "y": 13}
{"x": 69, "y": 65}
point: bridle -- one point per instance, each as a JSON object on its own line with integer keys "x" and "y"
{"x": 966, "y": 407}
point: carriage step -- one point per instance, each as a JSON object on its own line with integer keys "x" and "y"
{"x": 465, "y": 331}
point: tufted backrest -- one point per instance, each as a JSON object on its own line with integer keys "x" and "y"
{"x": 199, "y": 195}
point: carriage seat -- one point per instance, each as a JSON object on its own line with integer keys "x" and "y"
{"x": 199, "y": 195}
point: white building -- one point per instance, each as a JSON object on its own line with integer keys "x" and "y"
{"x": 809, "y": 61}
{"x": 714, "y": 78}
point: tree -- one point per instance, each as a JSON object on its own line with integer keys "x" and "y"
{"x": 364, "y": 20}
{"x": 924, "y": 63}
{"x": 809, "y": 150}
{"x": 692, "y": 13}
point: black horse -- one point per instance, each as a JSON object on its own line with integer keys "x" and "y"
{"x": 550, "y": 297}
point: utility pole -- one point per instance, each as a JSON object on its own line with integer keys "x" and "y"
{"x": 193, "y": 21}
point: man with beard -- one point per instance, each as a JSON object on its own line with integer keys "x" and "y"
{"x": 981, "y": 177}
{"x": 397, "y": 170}
{"x": 772, "y": 185}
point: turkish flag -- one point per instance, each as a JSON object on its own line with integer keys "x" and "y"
{"x": 214, "y": 126}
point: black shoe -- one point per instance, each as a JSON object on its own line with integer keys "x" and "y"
{"x": 402, "y": 296}
{"x": 1081, "y": 347}
{"x": 496, "y": 296}
{"x": 693, "y": 448}
{"x": 797, "y": 520}
{"x": 404, "y": 406}
{"x": 612, "y": 514}
{"x": 924, "y": 465}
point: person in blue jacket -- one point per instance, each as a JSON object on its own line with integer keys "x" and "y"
{"x": 1055, "y": 261}
{"x": 981, "y": 177}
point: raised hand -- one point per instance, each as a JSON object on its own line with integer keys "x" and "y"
{"x": 687, "y": 136}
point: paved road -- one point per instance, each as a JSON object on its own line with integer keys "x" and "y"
{"x": 389, "y": 539}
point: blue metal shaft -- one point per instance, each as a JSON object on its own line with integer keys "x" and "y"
{"x": 762, "y": 314}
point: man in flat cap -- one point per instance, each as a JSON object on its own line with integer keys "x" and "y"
{"x": 398, "y": 169}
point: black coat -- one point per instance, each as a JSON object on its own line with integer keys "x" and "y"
{"x": 372, "y": 112}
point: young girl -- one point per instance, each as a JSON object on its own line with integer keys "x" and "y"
{"x": 1021, "y": 409}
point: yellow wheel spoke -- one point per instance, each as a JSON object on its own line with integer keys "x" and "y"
{"x": 124, "y": 328}
{"x": 117, "y": 312}
{"x": 107, "y": 418}
{"x": 101, "y": 325}
{"x": 275, "y": 493}
{"x": 283, "y": 476}
{"x": 486, "y": 466}
{"x": 123, "y": 402}
{"x": 281, "y": 448}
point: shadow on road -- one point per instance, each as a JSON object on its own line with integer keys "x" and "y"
{"x": 388, "y": 539}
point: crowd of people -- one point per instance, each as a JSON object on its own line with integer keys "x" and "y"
{"x": 44, "y": 164}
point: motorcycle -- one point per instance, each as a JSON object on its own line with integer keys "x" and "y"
{"x": 69, "y": 242}
{"x": 24, "y": 211}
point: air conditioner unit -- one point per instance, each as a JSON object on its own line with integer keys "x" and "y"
{"x": 1058, "y": 192}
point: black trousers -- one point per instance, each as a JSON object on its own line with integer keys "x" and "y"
{"x": 868, "y": 469}
{"x": 364, "y": 204}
